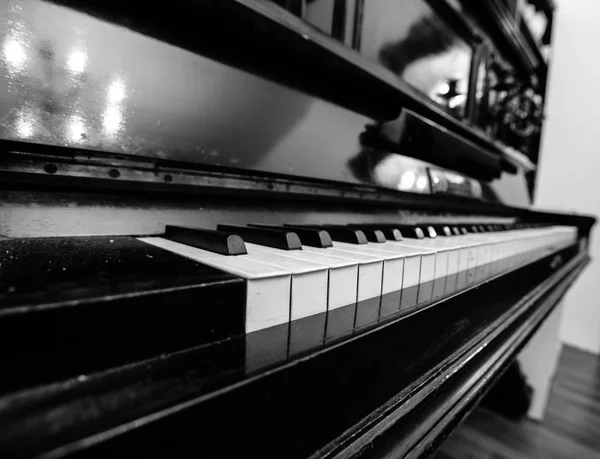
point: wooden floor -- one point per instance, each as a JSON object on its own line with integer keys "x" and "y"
{"x": 570, "y": 430}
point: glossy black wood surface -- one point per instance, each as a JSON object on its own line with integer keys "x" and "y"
{"x": 423, "y": 139}
{"x": 301, "y": 405}
{"x": 168, "y": 99}
{"x": 69, "y": 306}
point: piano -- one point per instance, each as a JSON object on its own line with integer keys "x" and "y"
{"x": 293, "y": 228}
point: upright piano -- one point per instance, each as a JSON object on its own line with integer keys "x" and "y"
{"x": 292, "y": 228}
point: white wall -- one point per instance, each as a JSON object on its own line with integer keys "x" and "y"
{"x": 569, "y": 175}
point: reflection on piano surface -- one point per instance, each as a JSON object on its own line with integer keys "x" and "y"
{"x": 274, "y": 229}
{"x": 410, "y": 39}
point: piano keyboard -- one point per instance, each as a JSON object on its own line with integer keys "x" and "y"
{"x": 282, "y": 290}
{"x": 348, "y": 277}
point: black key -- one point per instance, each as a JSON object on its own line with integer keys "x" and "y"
{"x": 309, "y": 237}
{"x": 267, "y": 237}
{"x": 464, "y": 230}
{"x": 389, "y": 231}
{"x": 211, "y": 240}
{"x": 441, "y": 229}
{"x": 409, "y": 231}
{"x": 91, "y": 303}
{"x": 456, "y": 231}
{"x": 430, "y": 231}
{"x": 373, "y": 234}
{"x": 392, "y": 234}
{"x": 340, "y": 233}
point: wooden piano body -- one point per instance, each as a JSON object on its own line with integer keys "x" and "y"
{"x": 119, "y": 119}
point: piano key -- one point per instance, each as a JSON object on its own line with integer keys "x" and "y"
{"x": 308, "y": 296}
{"x": 419, "y": 274}
{"x": 310, "y": 237}
{"x": 373, "y": 235}
{"x": 342, "y": 285}
{"x": 441, "y": 229}
{"x": 213, "y": 241}
{"x": 435, "y": 267}
{"x": 370, "y": 279}
{"x": 268, "y": 289}
{"x": 340, "y": 233}
{"x": 389, "y": 274}
{"x": 271, "y": 238}
{"x": 471, "y": 252}
{"x": 390, "y": 233}
{"x": 430, "y": 232}
{"x": 419, "y": 271}
{"x": 408, "y": 231}
{"x": 395, "y": 275}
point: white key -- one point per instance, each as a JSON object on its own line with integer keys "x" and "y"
{"x": 443, "y": 253}
{"x": 343, "y": 273}
{"x": 399, "y": 265}
{"x": 310, "y": 296}
{"x": 267, "y": 288}
{"x": 370, "y": 276}
{"x": 309, "y": 282}
{"x": 419, "y": 271}
{"x": 390, "y": 287}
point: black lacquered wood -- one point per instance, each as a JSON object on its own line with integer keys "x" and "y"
{"x": 263, "y": 236}
{"x": 211, "y": 240}
{"x": 79, "y": 305}
{"x": 422, "y": 139}
{"x": 308, "y": 236}
{"x": 340, "y": 233}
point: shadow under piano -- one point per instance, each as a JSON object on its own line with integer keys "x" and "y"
{"x": 296, "y": 228}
